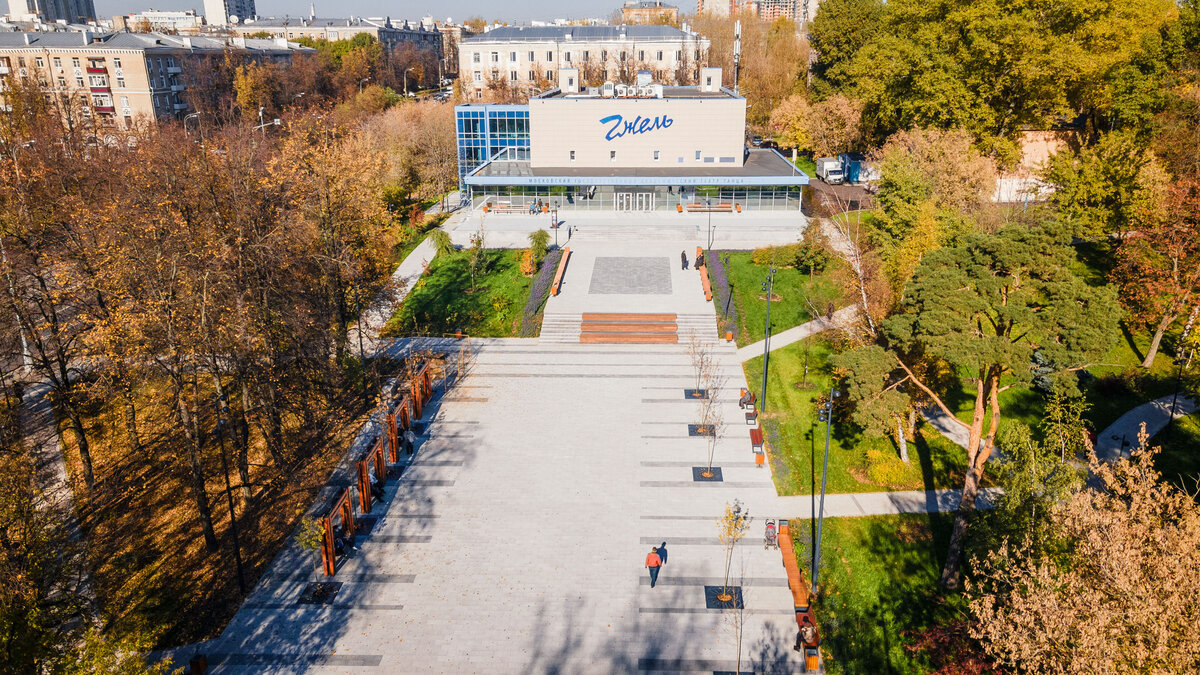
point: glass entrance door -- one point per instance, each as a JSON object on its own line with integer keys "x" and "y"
{"x": 645, "y": 201}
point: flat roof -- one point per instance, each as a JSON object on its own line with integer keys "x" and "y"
{"x": 583, "y": 33}
{"x": 763, "y": 167}
{"x": 673, "y": 91}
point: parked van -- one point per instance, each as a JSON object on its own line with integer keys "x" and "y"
{"x": 829, "y": 169}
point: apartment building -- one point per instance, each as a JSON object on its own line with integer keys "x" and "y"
{"x": 159, "y": 21}
{"x": 121, "y": 80}
{"x": 649, "y": 11}
{"x": 528, "y": 58}
{"x": 52, "y": 11}
{"x": 228, "y": 12}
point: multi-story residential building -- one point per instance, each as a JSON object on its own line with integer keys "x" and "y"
{"x": 649, "y": 11}
{"x": 452, "y": 35}
{"x": 121, "y": 80}
{"x": 716, "y": 7}
{"x": 218, "y": 12}
{"x": 52, "y": 11}
{"x": 525, "y": 58}
{"x": 426, "y": 43}
{"x": 158, "y": 21}
{"x": 766, "y": 10}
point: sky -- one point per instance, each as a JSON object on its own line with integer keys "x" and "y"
{"x": 511, "y": 10}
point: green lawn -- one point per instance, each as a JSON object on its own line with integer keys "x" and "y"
{"x": 1179, "y": 461}
{"x": 443, "y": 300}
{"x": 807, "y": 165}
{"x": 879, "y": 590}
{"x": 857, "y": 463}
{"x": 792, "y": 287}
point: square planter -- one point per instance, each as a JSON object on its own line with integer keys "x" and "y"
{"x": 711, "y": 601}
{"x": 699, "y": 477}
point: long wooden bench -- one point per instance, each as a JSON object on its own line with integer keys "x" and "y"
{"x": 562, "y": 270}
{"x": 627, "y": 327}
{"x": 723, "y": 207}
{"x": 756, "y": 439}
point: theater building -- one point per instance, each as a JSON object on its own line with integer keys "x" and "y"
{"x": 628, "y": 148}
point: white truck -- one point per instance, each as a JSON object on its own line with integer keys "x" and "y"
{"x": 829, "y": 169}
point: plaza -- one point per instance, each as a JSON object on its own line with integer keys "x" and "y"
{"x": 515, "y": 540}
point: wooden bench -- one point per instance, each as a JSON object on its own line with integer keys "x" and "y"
{"x": 723, "y": 207}
{"x": 628, "y": 318}
{"x": 562, "y": 270}
{"x": 751, "y": 417}
{"x": 756, "y": 439}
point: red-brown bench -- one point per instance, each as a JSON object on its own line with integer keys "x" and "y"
{"x": 756, "y": 439}
{"x": 562, "y": 270}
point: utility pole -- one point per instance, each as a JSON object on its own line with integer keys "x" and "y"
{"x": 826, "y": 416}
{"x": 768, "y": 287}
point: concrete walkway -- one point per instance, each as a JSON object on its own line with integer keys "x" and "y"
{"x": 398, "y": 286}
{"x": 1119, "y": 439}
{"x": 798, "y": 333}
{"x": 853, "y": 505}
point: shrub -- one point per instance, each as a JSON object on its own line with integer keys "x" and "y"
{"x": 441, "y": 242}
{"x": 776, "y": 256}
{"x": 885, "y": 468}
{"x": 539, "y": 243}
{"x": 528, "y": 266}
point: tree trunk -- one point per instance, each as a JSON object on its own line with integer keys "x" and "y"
{"x": 911, "y": 431}
{"x": 85, "y": 451}
{"x": 243, "y": 442}
{"x": 1163, "y": 325}
{"x": 129, "y": 413}
{"x": 951, "y": 570}
{"x": 187, "y": 420}
{"x": 268, "y": 415}
{"x": 901, "y": 440}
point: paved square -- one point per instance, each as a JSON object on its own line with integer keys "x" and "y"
{"x": 631, "y": 276}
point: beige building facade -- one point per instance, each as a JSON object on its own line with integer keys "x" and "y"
{"x": 528, "y": 58}
{"x": 119, "y": 81}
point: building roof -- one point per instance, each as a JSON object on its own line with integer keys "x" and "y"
{"x": 550, "y": 33}
{"x": 763, "y": 167}
{"x": 668, "y": 91}
{"x": 648, "y": 4}
{"x": 331, "y": 22}
{"x": 135, "y": 41}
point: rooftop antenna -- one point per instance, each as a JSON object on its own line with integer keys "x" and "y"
{"x": 737, "y": 53}
{"x": 312, "y": 11}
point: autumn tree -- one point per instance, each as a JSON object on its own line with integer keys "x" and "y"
{"x": 988, "y": 312}
{"x": 1115, "y": 594}
{"x": 1158, "y": 267}
{"x": 932, "y": 186}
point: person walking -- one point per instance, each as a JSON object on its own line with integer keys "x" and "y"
{"x": 653, "y": 562}
{"x": 683, "y": 259}
{"x": 662, "y": 553}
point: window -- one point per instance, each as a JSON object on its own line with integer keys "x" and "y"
{"x": 656, "y": 155}
{"x": 78, "y": 81}
{"x": 641, "y": 55}
{"x": 512, "y": 56}
{"x": 478, "y": 93}
{"x": 697, "y": 55}
{"x": 478, "y": 76}
{"x": 567, "y": 57}
{"x": 21, "y": 61}
{"x": 531, "y": 57}
{"x": 62, "y": 83}
{"x": 95, "y": 63}
{"x": 128, "y": 122}
{"x": 57, "y": 62}
{"x": 121, "y": 82}
{"x": 585, "y": 55}
{"x": 170, "y": 62}
{"x": 495, "y": 57}
{"x": 74, "y": 63}
{"x": 532, "y": 76}
{"x": 475, "y": 57}
{"x": 678, "y": 56}
{"x": 117, "y": 64}
{"x": 697, "y": 155}
{"x": 512, "y": 76}
{"x": 622, "y": 57}
{"x": 572, "y": 155}
{"x": 97, "y": 80}
{"x": 604, "y": 55}
{"x": 39, "y": 62}
{"x": 550, "y": 75}
{"x": 612, "y": 155}
{"x": 660, "y": 55}
{"x": 124, "y": 101}
{"x": 708, "y": 81}
{"x": 549, "y": 56}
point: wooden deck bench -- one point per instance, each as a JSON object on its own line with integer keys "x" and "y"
{"x": 756, "y": 439}
{"x": 723, "y": 207}
{"x": 751, "y": 417}
{"x": 562, "y": 270}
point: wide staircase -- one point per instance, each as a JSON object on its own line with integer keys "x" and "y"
{"x": 627, "y": 328}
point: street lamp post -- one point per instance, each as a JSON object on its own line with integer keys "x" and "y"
{"x": 768, "y": 287}
{"x": 406, "y": 71}
{"x": 728, "y": 286}
{"x": 554, "y": 225}
{"x": 199, "y": 127}
{"x": 233, "y": 527}
{"x": 708, "y": 207}
{"x": 826, "y": 416}
{"x": 362, "y": 82}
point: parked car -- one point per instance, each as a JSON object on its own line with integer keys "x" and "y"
{"x": 756, "y": 140}
{"x": 770, "y": 144}
{"x": 829, "y": 169}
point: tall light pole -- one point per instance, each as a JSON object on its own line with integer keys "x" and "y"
{"x": 362, "y": 82}
{"x": 826, "y": 416}
{"x": 199, "y": 127}
{"x": 768, "y": 287}
{"x": 406, "y": 71}
{"x": 708, "y": 207}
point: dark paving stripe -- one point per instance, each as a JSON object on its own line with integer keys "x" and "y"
{"x": 695, "y": 541}
{"x": 731, "y": 465}
{"x": 703, "y": 581}
{"x": 360, "y": 578}
{"x": 429, "y": 483}
{"x": 344, "y": 660}
{"x": 580, "y": 376}
{"x": 445, "y": 462}
{"x": 685, "y": 400}
{"x": 413, "y": 515}
{"x": 688, "y": 483}
{"x": 464, "y": 399}
{"x": 714, "y": 666}
{"x": 679, "y": 517}
{"x": 335, "y": 605}
{"x": 398, "y": 539}
{"x": 683, "y": 437}
{"x": 702, "y": 610}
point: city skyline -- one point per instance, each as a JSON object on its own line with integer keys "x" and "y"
{"x": 459, "y": 10}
